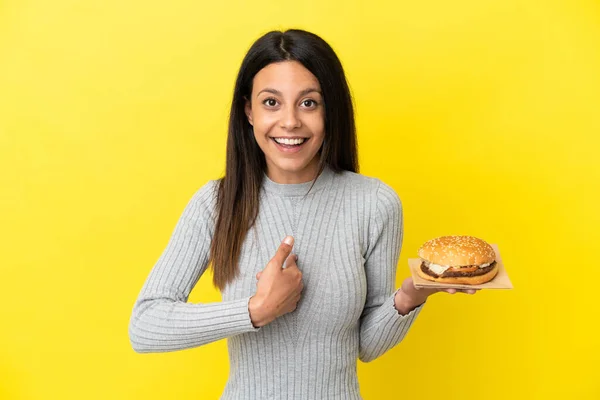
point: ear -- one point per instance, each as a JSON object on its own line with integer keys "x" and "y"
{"x": 248, "y": 110}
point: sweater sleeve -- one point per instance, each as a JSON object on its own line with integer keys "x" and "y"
{"x": 161, "y": 319}
{"x": 382, "y": 326}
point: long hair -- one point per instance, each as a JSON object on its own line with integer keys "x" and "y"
{"x": 239, "y": 190}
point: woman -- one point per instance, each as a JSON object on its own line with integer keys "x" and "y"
{"x": 303, "y": 248}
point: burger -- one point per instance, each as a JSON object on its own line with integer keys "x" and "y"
{"x": 457, "y": 259}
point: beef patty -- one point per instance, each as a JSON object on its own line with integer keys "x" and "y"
{"x": 449, "y": 274}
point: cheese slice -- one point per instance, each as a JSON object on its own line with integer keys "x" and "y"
{"x": 440, "y": 269}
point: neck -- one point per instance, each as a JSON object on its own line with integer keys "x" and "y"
{"x": 308, "y": 174}
{"x": 325, "y": 179}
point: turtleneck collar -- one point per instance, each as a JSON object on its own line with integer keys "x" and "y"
{"x": 299, "y": 189}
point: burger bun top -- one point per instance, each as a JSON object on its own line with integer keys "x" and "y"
{"x": 457, "y": 251}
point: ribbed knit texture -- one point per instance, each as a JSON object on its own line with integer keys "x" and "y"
{"x": 348, "y": 233}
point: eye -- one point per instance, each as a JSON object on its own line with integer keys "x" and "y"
{"x": 309, "y": 103}
{"x": 270, "y": 102}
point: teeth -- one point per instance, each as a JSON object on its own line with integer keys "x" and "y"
{"x": 289, "y": 141}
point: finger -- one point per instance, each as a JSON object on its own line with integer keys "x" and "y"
{"x": 284, "y": 250}
{"x": 451, "y": 291}
{"x": 299, "y": 288}
{"x": 291, "y": 261}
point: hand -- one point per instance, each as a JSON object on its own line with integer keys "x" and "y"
{"x": 278, "y": 289}
{"x": 409, "y": 297}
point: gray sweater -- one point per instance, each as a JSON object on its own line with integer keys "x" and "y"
{"x": 348, "y": 233}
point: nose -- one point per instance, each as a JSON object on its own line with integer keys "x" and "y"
{"x": 289, "y": 119}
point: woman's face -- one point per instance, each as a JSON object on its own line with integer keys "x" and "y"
{"x": 288, "y": 117}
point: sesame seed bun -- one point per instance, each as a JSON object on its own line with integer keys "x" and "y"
{"x": 457, "y": 251}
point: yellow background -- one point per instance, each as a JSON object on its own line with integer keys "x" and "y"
{"x": 483, "y": 116}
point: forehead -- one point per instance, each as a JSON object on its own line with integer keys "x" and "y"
{"x": 285, "y": 76}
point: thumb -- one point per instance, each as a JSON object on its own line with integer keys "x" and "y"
{"x": 284, "y": 250}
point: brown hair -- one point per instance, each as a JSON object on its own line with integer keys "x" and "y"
{"x": 239, "y": 190}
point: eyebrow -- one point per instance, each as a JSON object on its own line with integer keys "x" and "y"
{"x": 278, "y": 93}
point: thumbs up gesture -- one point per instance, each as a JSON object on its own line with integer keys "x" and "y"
{"x": 278, "y": 289}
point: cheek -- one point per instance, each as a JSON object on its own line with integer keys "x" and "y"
{"x": 317, "y": 128}
{"x": 263, "y": 122}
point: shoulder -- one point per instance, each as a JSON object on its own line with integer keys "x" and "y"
{"x": 207, "y": 191}
{"x": 204, "y": 199}
{"x": 358, "y": 182}
{"x": 376, "y": 190}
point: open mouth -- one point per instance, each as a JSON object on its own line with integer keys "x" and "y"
{"x": 290, "y": 144}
